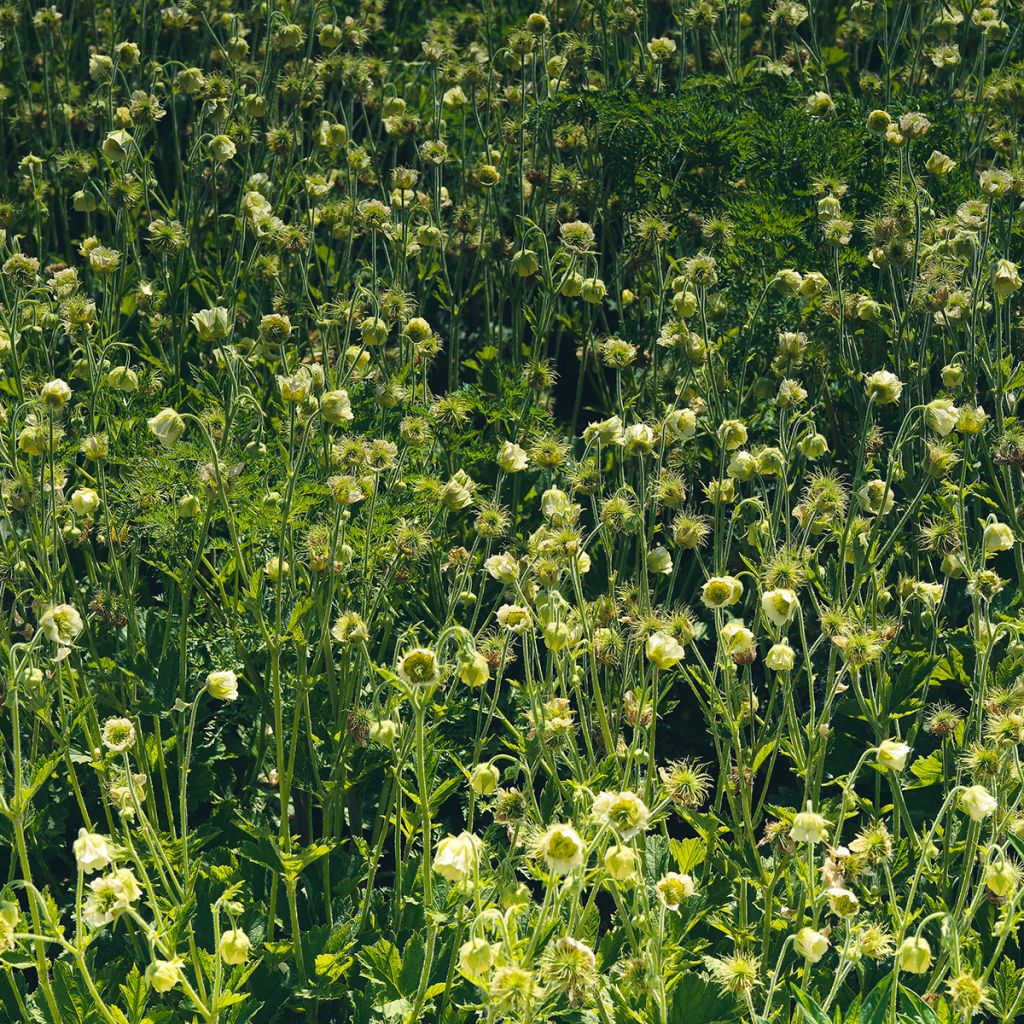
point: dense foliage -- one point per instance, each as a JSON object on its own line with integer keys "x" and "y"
{"x": 511, "y": 512}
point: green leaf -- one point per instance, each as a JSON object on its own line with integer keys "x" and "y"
{"x": 297, "y": 862}
{"x": 1006, "y": 983}
{"x": 333, "y": 966}
{"x": 811, "y": 1011}
{"x": 920, "y": 1011}
{"x": 382, "y": 965}
{"x": 928, "y": 771}
{"x": 697, "y": 1001}
{"x": 134, "y": 992}
{"x": 42, "y": 772}
{"x": 876, "y": 1002}
{"x": 74, "y": 1004}
{"x": 688, "y": 853}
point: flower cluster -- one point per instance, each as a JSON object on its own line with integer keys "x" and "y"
{"x": 512, "y": 513}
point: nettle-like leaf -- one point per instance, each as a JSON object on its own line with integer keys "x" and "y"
{"x": 135, "y": 993}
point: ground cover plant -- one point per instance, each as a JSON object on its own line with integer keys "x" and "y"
{"x": 511, "y": 512}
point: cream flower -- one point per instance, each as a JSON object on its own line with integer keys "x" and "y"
{"x": 811, "y": 945}
{"x": 892, "y": 754}
{"x": 663, "y": 650}
{"x": 222, "y": 685}
{"x": 561, "y": 849}
{"x": 458, "y": 857}
{"x": 624, "y": 813}
{"x": 673, "y": 889}
{"x": 808, "y": 827}
{"x": 167, "y": 426}
{"x": 61, "y": 624}
{"x": 978, "y": 803}
{"x": 780, "y": 606}
{"x": 91, "y": 852}
{"x": 721, "y": 591}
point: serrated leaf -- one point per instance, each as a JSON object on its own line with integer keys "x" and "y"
{"x": 688, "y": 853}
{"x": 134, "y": 992}
{"x": 695, "y": 1000}
{"x": 927, "y": 770}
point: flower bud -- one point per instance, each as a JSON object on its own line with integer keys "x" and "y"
{"x": 811, "y": 945}
{"x": 1002, "y": 877}
{"x": 101, "y": 66}
{"x": 814, "y": 283}
{"x": 875, "y": 497}
{"x": 892, "y": 755}
{"x": 939, "y": 164}
{"x": 335, "y": 407}
{"x": 571, "y": 286}
{"x": 188, "y": 506}
{"x": 525, "y": 263}
{"x": 738, "y": 641}
{"x": 681, "y": 424}
{"x": 787, "y": 282}
{"x": 593, "y": 290}
{"x": 276, "y": 569}
{"x": 732, "y": 434}
{"x": 163, "y": 975}
{"x": 478, "y": 956}
{"x": 952, "y": 375}
{"x": 996, "y": 537}
{"x": 474, "y": 670}
{"x": 659, "y": 561}
{"x": 941, "y": 415}
{"x": 620, "y": 863}
{"x": 222, "y": 685}
{"x": 878, "y": 121}
{"x": 117, "y": 146}
{"x": 978, "y": 803}
{"x": 742, "y": 466}
{"x": 55, "y": 394}
{"x": 234, "y": 946}
{"x": 484, "y": 778}
{"x": 373, "y": 331}
{"x": 91, "y": 852}
{"x": 770, "y": 461}
{"x": 808, "y": 827}
{"x": 883, "y": 387}
{"x": 512, "y": 458}
{"x": 1006, "y": 278}
{"x": 123, "y": 379}
{"x": 85, "y": 502}
{"x": 914, "y": 955}
{"x": 458, "y": 857}
{"x": 167, "y": 426}
{"x": 384, "y": 731}
{"x": 664, "y": 651}
{"x": 972, "y": 419}
{"x": 780, "y": 657}
{"x": 458, "y": 492}
{"x": 813, "y": 446}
